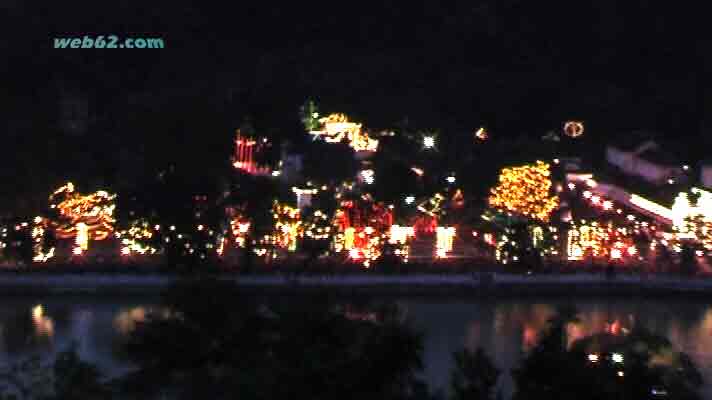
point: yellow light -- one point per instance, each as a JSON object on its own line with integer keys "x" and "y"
{"x": 82, "y": 239}
{"x": 525, "y": 190}
{"x": 95, "y": 211}
{"x": 573, "y": 128}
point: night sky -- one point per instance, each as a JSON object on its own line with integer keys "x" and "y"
{"x": 517, "y": 67}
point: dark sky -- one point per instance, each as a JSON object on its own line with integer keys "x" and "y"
{"x": 517, "y": 67}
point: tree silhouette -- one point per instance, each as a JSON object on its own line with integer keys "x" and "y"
{"x": 474, "y": 376}
{"x": 638, "y": 365}
{"x": 213, "y": 342}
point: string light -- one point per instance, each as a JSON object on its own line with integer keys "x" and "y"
{"x": 83, "y": 217}
{"x": 444, "y": 241}
{"x": 428, "y": 142}
{"x": 525, "y": 190}
{"x": 336, "y": 127}
{"x": 573, "y": 128}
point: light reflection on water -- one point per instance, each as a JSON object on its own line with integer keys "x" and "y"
{"x": 505, "y": 328}
{"x": 508, "y": 328}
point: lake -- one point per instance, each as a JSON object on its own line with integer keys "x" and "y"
{"x": 505, "y": 327}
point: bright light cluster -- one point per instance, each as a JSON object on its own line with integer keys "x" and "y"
{"x": 525, "y": 190}
{"x": 317, "y": 227}
{"x": 399, "y": 236}
{"x": 428, "y": 142}
{"x": 287, "y": 226}
{"x": 362, "y": 227}
{"x": 694, "y": 221}
{"x": 134, "y": 240}
{"x": 599, "y": 241}
{"x": 239, "y": 227}
{"x": 83, "y": 217}
{"x": 651, "y": 207}
{"x": 38, "y": 234}
{"x": 246, "y": 150}
{"x": 481, "y": 134}
{"x": 336, "y": 128}
{"x": 444, "y": 238}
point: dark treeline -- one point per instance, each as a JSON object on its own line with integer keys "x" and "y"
{"x": 208, "y": 340}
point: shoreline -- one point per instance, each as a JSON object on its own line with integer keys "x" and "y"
{"x": 468, "y": 285}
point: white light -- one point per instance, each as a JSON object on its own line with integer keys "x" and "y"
{"x": 276, "y": 173}
{"x": 593, "y": 358}
{"x": 428, "y": 142}
{"x": 617, "y": 357}
{"x": 409, "y": 200}
{"x": 368, "y": 176}
{"x": 450, "y": 179}
{"x": 685, "y": 167}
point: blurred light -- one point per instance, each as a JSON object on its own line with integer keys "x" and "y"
{"x": 617, "y": 357}
{"x": 409, "y": 200}
{"x": 428, "y": 142}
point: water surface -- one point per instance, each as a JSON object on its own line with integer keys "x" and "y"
{"x": 506, "y": 328}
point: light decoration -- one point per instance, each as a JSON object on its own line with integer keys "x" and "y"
{"x": 336, "y": 128}
{"x": 573, "y": 129}
{"x": 368, "y": 176}
{"x": 399, "y": 236}
{"x": 317, "y": 226}
{"x": 246, "y": 149}
{"x": 598, "y": 241}
{"x": 428, "y": 142}
{"x": 136, "y": 239}
{"x": 83, "y": 217}
{"x": 694, "y": 222}
{"x": 525, "y": 190}
{"x": 38, "y": 234}
{"x": 82, "y": 238}
{"x": 444, "y": 238}
{"x": 362, "y": 226}
{"x": 432, "y": 206}
{"x": 651, "y": 207}
{"x": 288, "y": 226}
{"x": 537, "y": 236}
{"x": 481, "y": 134}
